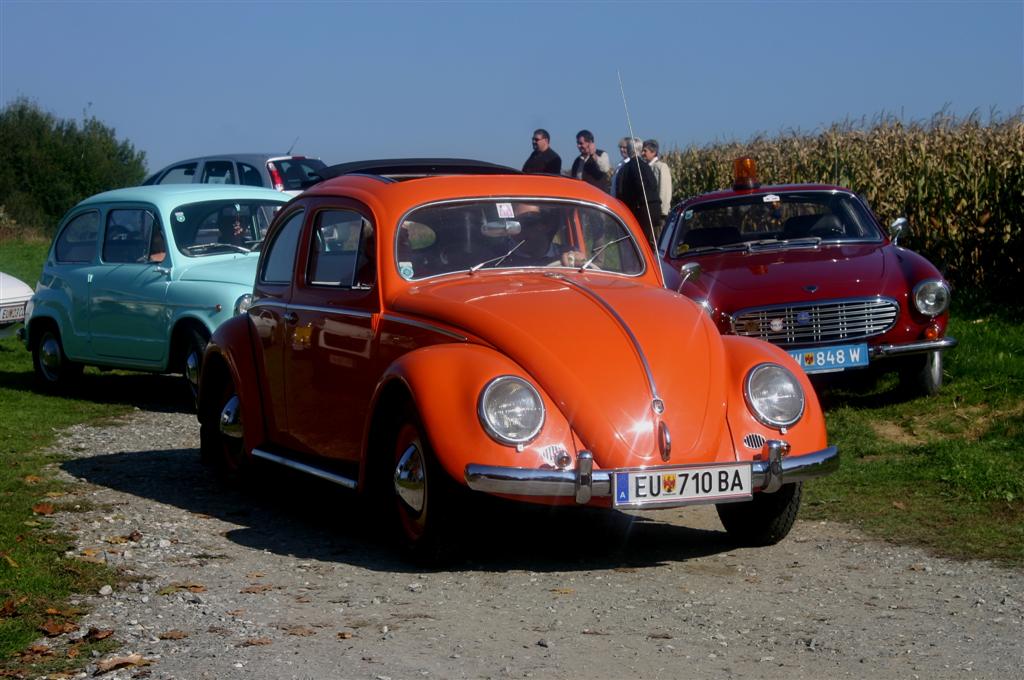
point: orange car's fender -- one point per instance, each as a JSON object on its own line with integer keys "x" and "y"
{"x": 445, "y": 383}
{"x": 807, "y": 435}
{"x": 230, "y": 348}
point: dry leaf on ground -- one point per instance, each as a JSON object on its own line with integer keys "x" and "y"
{"x": 173, "y": 634}
{"x": 43, "y": 508}
{"x": 113, "y": 663}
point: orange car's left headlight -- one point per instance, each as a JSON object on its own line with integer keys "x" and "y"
{"x": 774, "y": 395}
{"x": 511, "y": 410}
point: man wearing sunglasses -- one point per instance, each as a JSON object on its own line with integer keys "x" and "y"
{"x": 543, "y": 159}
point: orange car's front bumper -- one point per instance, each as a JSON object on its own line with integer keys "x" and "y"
{"x": 583, "y": 483}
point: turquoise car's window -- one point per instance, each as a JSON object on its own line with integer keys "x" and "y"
{"x": 77, "y": 242}
{"x": 342, "y": 250}
{"x": 280, "y": 257}
{"x": 218, "y": 227}
{"x": 513, "y": 233}
{"x": 179, "y": 174}
{"x": 218, "y": 172}
{"x": 127, "y": 235}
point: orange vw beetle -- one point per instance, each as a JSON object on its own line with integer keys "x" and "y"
{"x": 423, "y": 327}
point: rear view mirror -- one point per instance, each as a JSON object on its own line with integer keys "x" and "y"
{"x": 497, "y": 228}
{"x": 898, "y": 226}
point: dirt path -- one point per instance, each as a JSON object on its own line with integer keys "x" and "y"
{"x": 278, "y": 582}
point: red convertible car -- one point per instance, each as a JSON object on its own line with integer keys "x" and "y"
{"x": 809, "y": 268}
{"x": 424, "y": 329}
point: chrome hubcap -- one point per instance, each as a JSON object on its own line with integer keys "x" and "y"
{"x": 192, "y": 369}
{"x": 231, "y": 418}
{"x": 411, "y": 479}
{"x": 49, "y": 357}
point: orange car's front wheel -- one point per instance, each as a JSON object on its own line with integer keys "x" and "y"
{"x": 422, "y": 493}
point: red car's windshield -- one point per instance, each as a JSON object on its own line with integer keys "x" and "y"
{"x": 764, "y": 218}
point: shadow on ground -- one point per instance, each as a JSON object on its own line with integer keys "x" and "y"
{"x": 147, "y": 391}
{"x": 289, "y": 514}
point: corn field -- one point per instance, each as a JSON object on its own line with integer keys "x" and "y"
{"x": 960, "y": 182}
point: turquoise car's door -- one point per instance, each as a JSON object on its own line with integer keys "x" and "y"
{"x": 128, "y": 315}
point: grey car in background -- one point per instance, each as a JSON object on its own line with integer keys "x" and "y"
{"x": 273, "y": 171}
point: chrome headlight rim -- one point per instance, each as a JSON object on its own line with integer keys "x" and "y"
{"x": 928, "y": 283}
{"x": 492, "y": 431}
{"x": 243, "y": 303}
{"x": 761, "y": 417}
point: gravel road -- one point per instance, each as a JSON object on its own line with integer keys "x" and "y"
{"x": 279, "y": 581}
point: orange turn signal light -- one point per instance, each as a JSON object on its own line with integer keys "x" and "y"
{"x": 932, "y": 332}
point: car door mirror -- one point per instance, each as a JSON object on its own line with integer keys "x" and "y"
{"x": 897, "y": 227}
{"x": 690, "y": 270}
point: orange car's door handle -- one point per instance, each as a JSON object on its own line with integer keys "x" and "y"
{"x": 291, "y": 318}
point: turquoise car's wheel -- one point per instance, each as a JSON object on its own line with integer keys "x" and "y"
{"x": 51, "y": 366}
{"x": 192, "y": 360}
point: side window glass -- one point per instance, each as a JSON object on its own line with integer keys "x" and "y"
{"x": 342, "y": 252}
{"x": 249, "y": 175}
{"x": 157, "y": 245}
{"x": 218, "y": 172}
{"x": 280, "y": 258}
{"x": 127, "y": 235}
{"x": 179, "y": 174}
{"x": 77, "y": 243}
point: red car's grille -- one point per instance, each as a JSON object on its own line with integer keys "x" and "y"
{"x": 806, "y": 323}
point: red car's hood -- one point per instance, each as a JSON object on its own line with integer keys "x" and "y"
{"x": 764, "y": 277}
{"x": 560, "y": 331}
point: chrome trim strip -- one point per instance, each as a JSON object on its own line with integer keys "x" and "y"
{"x": 426, "y": 326}
{"x": 563, "y": 483}
{"x": 656, "y": 399}
{"x": 303, "y": 467}
{"x": 912, "y": 347}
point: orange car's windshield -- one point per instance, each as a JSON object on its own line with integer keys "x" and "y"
{"x": 513, "y": 233}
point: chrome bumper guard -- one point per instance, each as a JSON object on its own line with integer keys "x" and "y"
{"x": 585, "y": 483}
{"x": 879, "y": 351}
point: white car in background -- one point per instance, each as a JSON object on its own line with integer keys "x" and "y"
{"x": 14, "y": 295}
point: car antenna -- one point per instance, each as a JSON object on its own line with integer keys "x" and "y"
{"x": 632, "y": 149}
{"x": 289, "y": 151}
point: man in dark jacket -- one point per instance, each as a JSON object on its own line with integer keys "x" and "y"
{"x": 637, "y": 187}
{"x": 592, "y": 165}
{"x": 543, "y": 159}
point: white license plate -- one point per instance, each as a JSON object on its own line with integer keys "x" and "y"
{"x": 12, "y": 313}
{"x": 831, "y": 359}
{"x": 682, "y": 485}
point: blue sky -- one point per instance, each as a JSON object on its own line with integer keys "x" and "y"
{"x": 473, "y": 79}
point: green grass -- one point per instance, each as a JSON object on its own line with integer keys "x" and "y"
{"x": 946, "y": 472}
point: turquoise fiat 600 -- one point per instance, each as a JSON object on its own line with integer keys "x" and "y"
{"x": 139, "y": 278}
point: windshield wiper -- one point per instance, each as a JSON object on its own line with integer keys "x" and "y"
{"x": 496, "y": 260}
{"x": 203, "y": 247}
{"x": 600, "y": 250}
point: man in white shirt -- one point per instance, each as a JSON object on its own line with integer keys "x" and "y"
{"x": 664, "y": 175}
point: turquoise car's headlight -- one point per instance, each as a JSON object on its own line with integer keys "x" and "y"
{"x": 774, "y": 395}
{"x": 511, "y": 410}
{"x": 931, "y": 297}
{"x": 242, "y": 303}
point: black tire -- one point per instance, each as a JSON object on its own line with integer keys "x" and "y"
{"x": 191, "y": 360}
{"x": 53, "y": 371}
{"x": 766, "y": 519}
{"x": 421, "y": 494}
{"x": 223, "y": 452}
{"x": 921, "y": 375}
